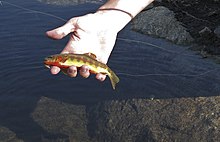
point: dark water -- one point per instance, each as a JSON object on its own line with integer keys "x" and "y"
{"x": 160, "y": 69}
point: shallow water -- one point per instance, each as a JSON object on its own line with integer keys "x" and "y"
{"x": 159, "y": 69}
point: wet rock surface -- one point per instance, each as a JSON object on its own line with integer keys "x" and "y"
{"x": 217, "y": 31}
{"x": 66, "y": 121}
{"x": 199, "y": 19}
{"x": 196, "y": 16}
{"x": 131, "y": 120}
{"x": 7, "y": 135}
{"x": 185, "y": 119}
{"x": 161, "y": 22}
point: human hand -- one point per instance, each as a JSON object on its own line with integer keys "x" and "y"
{"x": 88, "y": 34}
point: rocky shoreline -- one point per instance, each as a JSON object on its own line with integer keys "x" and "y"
{"x": 133, "y": 120}
{"x": 177, "y": 21}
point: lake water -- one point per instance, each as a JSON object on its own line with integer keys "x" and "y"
{"x": 159, "y": 69}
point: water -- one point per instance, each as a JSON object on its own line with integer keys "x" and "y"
{"x": 147, "y": 67}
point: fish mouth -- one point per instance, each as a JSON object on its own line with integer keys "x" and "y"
{"x": 47, "y": 62}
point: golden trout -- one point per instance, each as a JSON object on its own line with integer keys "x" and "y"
{"x": 64, "y": 61}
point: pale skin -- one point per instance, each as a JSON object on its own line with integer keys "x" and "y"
{"x": 96, "y": 33}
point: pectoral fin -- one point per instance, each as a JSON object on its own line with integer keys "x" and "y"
{"x": 64, "y": 70}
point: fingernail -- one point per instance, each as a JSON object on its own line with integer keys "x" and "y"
{"x": 71, "y": 71}
{"x": 101, "y": 78}
{"x": 54, "y": 70}
{"x": 85, "y": 70}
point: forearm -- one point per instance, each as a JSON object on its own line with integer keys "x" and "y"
{"x": 131, "y": 6}
{"x": 120, "y": 19}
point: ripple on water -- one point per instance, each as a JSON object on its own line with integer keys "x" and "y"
{"x": 152, "y": 66}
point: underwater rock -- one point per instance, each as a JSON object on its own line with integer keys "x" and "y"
{"x": 67, "y": 120}
{"x": 7, "y": 135}
{"x": 179, "y": 119}
{"x": 217, "y": 31}
{"x": 161, "y": 22}
{"x": 205, "y": 31}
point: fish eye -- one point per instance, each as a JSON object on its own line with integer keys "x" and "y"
{"x": 49, "y": 57}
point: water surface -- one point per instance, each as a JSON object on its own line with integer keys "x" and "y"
{"x": 147, "y": 67}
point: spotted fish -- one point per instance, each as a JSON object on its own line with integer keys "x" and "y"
{"x": 64, "y": 61}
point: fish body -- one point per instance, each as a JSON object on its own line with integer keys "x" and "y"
{"x": 64, "y": 61}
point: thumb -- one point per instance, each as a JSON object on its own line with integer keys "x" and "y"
{"x": 62, "y": 31}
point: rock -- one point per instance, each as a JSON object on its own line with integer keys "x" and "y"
{"x": 7, "y": 135}
{"x": 217, "y": 31}
{"x": 61, "y": 118}
{"x": 188, "y": 1}
{"x": 161, "y": 22}
{"x": 70, "y": 2}
{"x": 205, "y": 31}
{"x": 180, "y": 119}
{"x": 151, "y": 5}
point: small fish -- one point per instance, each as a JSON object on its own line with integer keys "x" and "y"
{"x": 64, "y": 61}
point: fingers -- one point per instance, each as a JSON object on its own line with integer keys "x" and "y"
{"x": 62, "y": 31}
{"x": 72, "y": 72}
{"x": 100, "y": 77}
{"x": 54, "y": 70}
{"x": 84, "y": 71}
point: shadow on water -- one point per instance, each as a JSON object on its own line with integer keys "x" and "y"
{"x": 147, "y": 67}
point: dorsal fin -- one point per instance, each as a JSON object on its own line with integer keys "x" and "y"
{"x": 91, "y": 55}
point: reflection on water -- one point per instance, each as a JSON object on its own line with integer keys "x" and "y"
{"x": 147, "y": 68}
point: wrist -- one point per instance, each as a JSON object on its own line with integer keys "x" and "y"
{"x": 117, "y": 13}
{"x": 114, "y": 19}
{"x": 116, "y": 9}
{"x": 131, "y": 6}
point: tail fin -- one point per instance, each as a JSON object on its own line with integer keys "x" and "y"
{"x": 114, "y": 79}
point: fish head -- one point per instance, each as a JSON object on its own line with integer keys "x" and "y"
{"x": 55, "y": 60}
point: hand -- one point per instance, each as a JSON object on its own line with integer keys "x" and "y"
{"x": 88, "y": 34}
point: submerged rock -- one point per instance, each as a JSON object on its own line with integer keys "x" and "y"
{"x": 217, "y": 31}
{"x": 7, "y": 135}
{"x": 67, "y": 120}
{"x": 205, "y": 31}
{"x": 132, "y": 120}
{"x": 161, "y": 22}
{"x": 185, "y": 119}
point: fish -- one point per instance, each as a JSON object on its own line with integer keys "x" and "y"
{"x": 64, "y": 61}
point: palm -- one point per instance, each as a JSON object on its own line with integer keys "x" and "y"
{"x": 87, "y": 35}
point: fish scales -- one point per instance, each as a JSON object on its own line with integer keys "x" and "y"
{"x": 66, "y": 60}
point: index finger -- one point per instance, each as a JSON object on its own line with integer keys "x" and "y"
{"x": 54, "y": 70}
